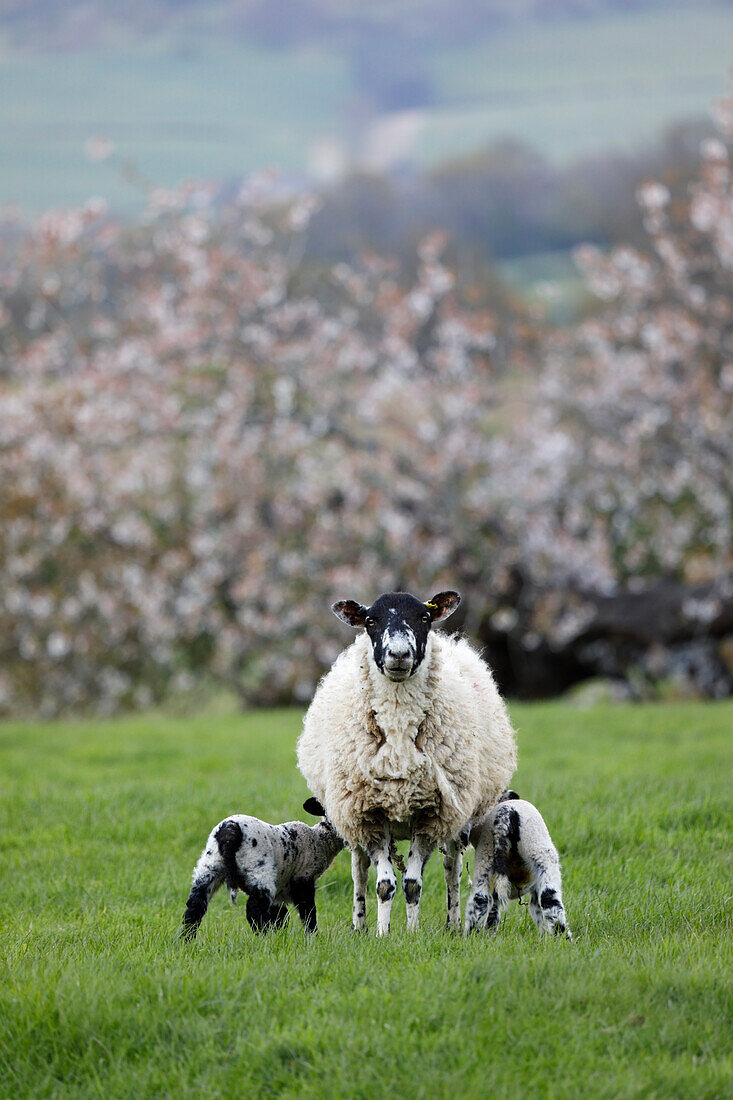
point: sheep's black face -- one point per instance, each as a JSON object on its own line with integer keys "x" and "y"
{"x": 398, "y": 625}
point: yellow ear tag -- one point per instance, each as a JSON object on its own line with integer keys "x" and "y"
{"x": 428, "y": 604}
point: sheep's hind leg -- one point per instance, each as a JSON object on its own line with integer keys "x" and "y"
{"x": 453, "y": 866}
{"x": 360, "y": 874}
{"x": 208, "y": 876}
{"x": 420, "y": 851}
{"x": 386, "y": 883}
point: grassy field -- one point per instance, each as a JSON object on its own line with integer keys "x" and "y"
{"x": 101, "y": 825}
{"x": 214, "y": 109}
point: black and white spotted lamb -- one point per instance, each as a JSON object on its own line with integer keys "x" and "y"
{"x": 276, "y": 865}
{"x": 515, "y": 856}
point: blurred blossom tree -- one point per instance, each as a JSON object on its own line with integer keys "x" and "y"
{"x": 623, "y": 475}
{"x": 198, "y": 453}
{"x": 195, "y": 460}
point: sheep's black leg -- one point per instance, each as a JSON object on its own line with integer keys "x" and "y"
{"x": 278, "y": 915}
{"x": 259, "y": 904}
{"x": 198, "y": 903}
{"x": 303, "y": 893}
{"x": 208, "y": 876}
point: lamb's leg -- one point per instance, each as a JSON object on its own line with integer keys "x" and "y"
{"x": 259, "y": 906}
{"x": 453, "y": 867}
{"x": 545, "y": 904}
{"x": 360, "y": 874}
{"x": 278, "y": 915}
{"x": 303, "y": 893}
{"x": 502, "y": 842}
{"x": 208, "y": 876}
{"x": 480, "y": 901}
{"x": 420, "y": 851}
{"x": 386, "y": 882}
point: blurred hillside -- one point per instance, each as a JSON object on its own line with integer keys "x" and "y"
{"x": 280, "y": 23}
{"x": 315, "y": 89}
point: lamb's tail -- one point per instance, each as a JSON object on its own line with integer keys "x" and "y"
{"x": 229, "y": 839}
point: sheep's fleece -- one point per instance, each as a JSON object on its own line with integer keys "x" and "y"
{"x": 431, "y": 753}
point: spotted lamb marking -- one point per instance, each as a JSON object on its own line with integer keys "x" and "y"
{"x": 515, "y": 856}
{"x": 275, "y": 865}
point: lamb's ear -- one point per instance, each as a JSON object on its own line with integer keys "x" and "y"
{"x": 443, "y": 605}
{"x": 350, "y": 612}
{"x": 313, "y": 806}
{"x": 508, "y": 795}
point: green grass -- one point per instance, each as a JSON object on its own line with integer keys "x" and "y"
{"x": 101, "y": 826}
{"x": 211, "y": 108}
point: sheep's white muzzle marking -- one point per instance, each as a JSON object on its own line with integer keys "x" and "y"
{"x": 398, "y": 649}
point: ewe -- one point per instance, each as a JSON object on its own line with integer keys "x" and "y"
{"x": 515, "y": 856}
{"x": 274, "y": 864}
{"x": 407, "y": 736}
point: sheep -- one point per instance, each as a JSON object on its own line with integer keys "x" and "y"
{"x": 406, "y": 737}
{"x": 274, "y": 864}
{"x": 515, "y": 856}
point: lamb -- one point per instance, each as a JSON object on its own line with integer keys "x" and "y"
{"x": 274, "y": 864}
{"x": 515, "y": 856}
{"x": 406, "y": 736}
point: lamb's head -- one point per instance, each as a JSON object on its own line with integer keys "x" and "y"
{"x": 326, "y": 830}
{"x": 398, "y": 626}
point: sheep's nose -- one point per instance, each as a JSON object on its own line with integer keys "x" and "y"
{"x": 398, "y": 652}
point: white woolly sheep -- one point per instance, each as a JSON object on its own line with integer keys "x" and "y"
{"x": 515, "y": 856}
{"x": 406, "y": 736}
{"x": 275, "y": 865}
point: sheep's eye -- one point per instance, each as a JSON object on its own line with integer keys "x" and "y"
{"x": 369, "y": 621}
{"x": 426, "y": 618}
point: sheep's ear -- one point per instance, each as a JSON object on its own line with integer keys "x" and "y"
{"x": 443, "y": 605}
{"x": 508, "y": 795}
{"x": 313, "y": 806}
{"x": 350, "y": 612}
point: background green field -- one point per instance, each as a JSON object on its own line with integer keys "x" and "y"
{"x": 214, "y": 108}
{"x": 101, "y": 825}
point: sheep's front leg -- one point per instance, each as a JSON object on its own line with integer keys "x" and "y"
{"x": 360, "y": 874}
{"x": 303, "y": 893}
{"x": 453, "y": 866}
{"x": 420, "y": 851}
{"x": 386, "y": 883}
